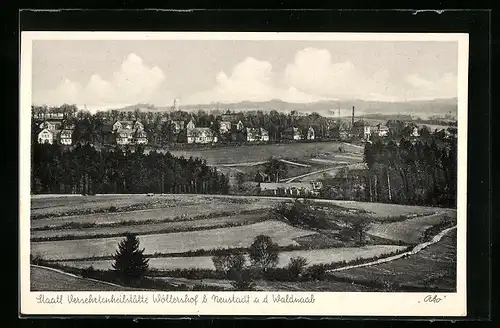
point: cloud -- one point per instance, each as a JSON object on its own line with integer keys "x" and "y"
{"x": 134, "y": 82}
{"x": 314, "y": 72}
{"x": 443, "y": 87}
{"x": 250, "y": 80}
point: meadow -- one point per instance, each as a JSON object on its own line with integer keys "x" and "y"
{"x": 434, "y": 267}
{"x": 316, "y": 256}
{"x": 257, "y": 153}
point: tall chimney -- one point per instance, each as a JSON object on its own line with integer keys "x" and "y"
{"x": 352, "y": 116}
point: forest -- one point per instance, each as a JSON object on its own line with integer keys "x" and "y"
{"x": 85, "y": 170}
{"x": 402, "y": 170}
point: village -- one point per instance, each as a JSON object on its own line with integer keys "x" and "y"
{"x": 58, "y": 128}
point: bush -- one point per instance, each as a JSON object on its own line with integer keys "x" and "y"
{"x": 302, "y": 214}
{"x": 112, "y": 209}
{"x": 316, "y": 272}
{"x": 229, "y": 262}
{"x": 296, "y": 266}
{"x": 130, "y": 264}
{"x": 243, "y": 281}
{"x": 89, "y": 272}
{"x": 264, "y": 253}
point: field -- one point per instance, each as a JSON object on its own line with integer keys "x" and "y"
{"x": 242, "y": 236}
{"x": 410, "y": 231}
{"x": 44, "y": 279}
{"x": 434, "y": 266}
{"x": 317, "y": 256}
{"x": 185, "y": 223}
{"x": 258, "y": 153}
{"x": 170, "y": 226}
{"x": 159, "y": 214}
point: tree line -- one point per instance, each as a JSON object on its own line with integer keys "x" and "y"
{"x": 86, "y": 170}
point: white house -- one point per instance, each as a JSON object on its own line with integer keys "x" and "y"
{"x": 257, "y": 134}
{"x": 415, "y": 132}
{"x": 310, "y": 133}
{"x": 190, "y": 125}
{"x": 225, "y": 126}
{"x": 140, "y": 137}
{"x": 66, "y": 137}
{"x": 201, "y": 136}
{"x": 124, "y": 137}
{"x": 292, "y": 188}
{"x": 45, "y": 137}
{"x": 239, "y": 126}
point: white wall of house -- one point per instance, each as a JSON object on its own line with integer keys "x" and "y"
{"x": 45, "y": 136}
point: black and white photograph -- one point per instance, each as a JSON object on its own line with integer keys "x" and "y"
{"x": 281, "y": 163}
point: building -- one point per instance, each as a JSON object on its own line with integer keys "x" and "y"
{"x": 45, "y": 116}
{"x": 257, "y": 134}
{"x": 240, "y": 126}
{"x": 177, "y": 126}
{"x": 45, "y": 137}
{"x": 190, "y": 125}
{"x": 310, "y": 133}
{"x": 229, "y": 117}
{"x": 291, "y": 134}
{"x": 66, "y": 137}
{"x": 51, "y": 125}
{"x": 383, "y": 131}
{"x": 129, "y": 133}
{"x": 415, "y": 133}
{"x": 292, "y": 188}
{"x": 262, "y": 177}
{"x": 225, "y": 126}
{"x": 126, "y": 125}
{"x": 124, "y": 137}
{"x": 201, "y": 136}
{"x": 140, "y": 137}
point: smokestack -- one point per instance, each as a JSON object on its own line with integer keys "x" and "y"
{"x": 352, "y": 115}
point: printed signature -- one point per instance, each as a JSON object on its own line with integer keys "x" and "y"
{"x": 433, "y": 299}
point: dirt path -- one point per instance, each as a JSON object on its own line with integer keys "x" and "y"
{"x": 414, "y": 251}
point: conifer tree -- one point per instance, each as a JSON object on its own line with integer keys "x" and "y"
{"x": 130, "y": 263}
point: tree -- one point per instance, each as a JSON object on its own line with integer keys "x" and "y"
{"x": 264, "y": 253}
{"x": 240, "y": 180}
{"x": 229, "y": 262}
{"x": 275, "y": 169}
{"x": 359, "y": 226}
{"x": 296, "y": 266}
{"x": 130, "y": 263}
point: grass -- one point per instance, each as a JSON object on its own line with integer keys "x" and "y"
{"x": 214, "y": 207}
{"x": 257, "y": 153}
{"x": 241, "y": 236}
{"x": 433, "y": 268}
{"x": 408, "y": 231}
{"x": 165, "y": 228}
{"x": 331, "y": 258}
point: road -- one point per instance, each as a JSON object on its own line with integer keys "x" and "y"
{"x": 414, "y": 251}
{"x": 330, "y": 169}
{"x": 48, "y": 279}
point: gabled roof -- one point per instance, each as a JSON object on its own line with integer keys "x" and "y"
{"x": 197, "y": 131}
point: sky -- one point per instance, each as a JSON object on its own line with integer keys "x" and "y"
{"x": 100, "y": 73}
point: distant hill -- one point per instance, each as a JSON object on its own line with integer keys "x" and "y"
{"x": 422, "y": 108}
